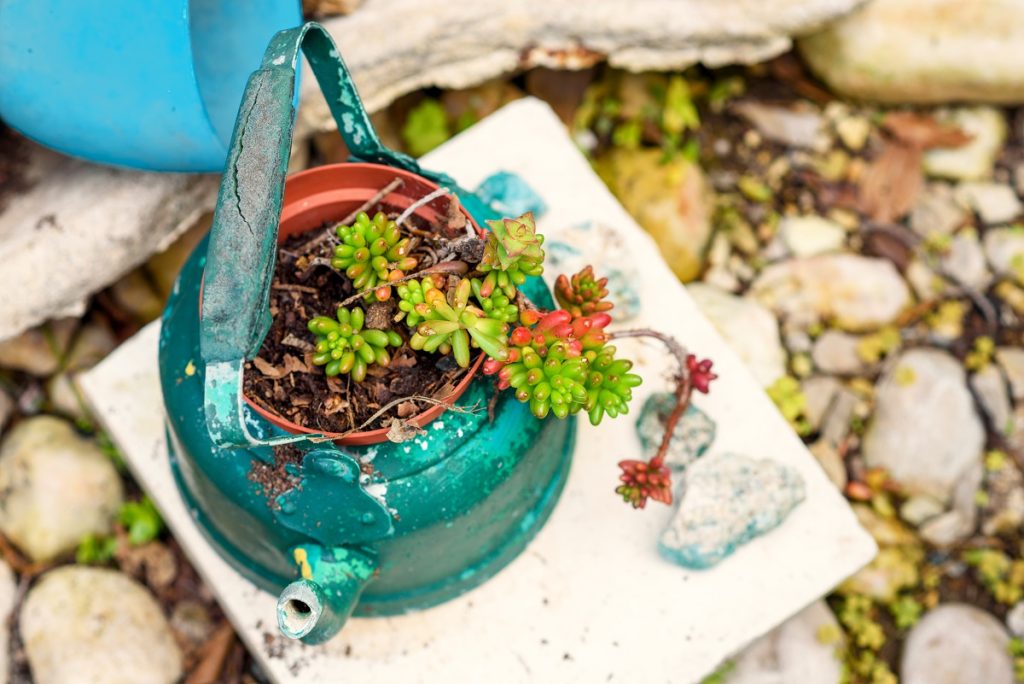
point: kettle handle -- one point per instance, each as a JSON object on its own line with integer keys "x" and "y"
{"x": 243, "y": 241}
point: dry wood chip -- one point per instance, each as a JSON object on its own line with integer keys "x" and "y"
{"x": 292, "y": 364}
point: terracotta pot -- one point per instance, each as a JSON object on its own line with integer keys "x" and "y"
{"x": 329, "y": 193}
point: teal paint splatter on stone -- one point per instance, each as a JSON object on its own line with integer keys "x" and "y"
{"x": 510, "y": 195}
{"x": 692, "y": 437}
{"x": 729, "y": 500}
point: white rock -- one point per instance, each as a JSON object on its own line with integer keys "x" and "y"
{"x": 937, "y": 211}
{"x": 924, "y": 431}
{"x": 859, "y": 293}
{"x": 974, "y": 160}
{"x": 77, "y": 227}
{"x": 85, "y": 625}
{"x": 919, "y": 509}
{"x": 965, "y": 261}
{"x": 795, "y": 127}
{"x": 749, "y": 328}
{"x": 923, "y": 51}
{"x": 990, "y": 388}
{"x": 64, "y": 397}
{"x": 8, "y": 593}
{"x": 1004, "y": 248}
{"x": 957, "y": 644}
{"x": 1015, "y": 620}
{"x": 836, "y": 352}
{"x": 460, "y": 43}
{"x": 926, "y": 282}
{"x": 810, "y": 235}
{"x": 1012, "y": 361}
{"x": 853, "y": 131}
{"x": 793, "y": 652}
{"x": 994, "y": 202}
{"x": 58, "y": 488}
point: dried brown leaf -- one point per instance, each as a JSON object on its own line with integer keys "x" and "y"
{"x": 292, "y": 364}
{"x": 402, "y": 431}
{"x": 923, "y": 131}
{"x": 892, "y": 183}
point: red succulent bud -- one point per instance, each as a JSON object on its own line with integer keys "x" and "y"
{"x": 529, "y": 316}
{"x": 520, "y": 336}
{"x": 700, "y": 373}
{"x": 642, "y": 480}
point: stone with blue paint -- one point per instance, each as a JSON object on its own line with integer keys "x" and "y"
{"x": 693, "y": 435}
{"x": 729, "y": 500}
{"x": 510, "y": 195}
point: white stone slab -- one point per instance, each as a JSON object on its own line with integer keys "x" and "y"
{"x": 590, "y": 599}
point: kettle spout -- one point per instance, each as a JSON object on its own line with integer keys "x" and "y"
{"x": 315, "y": 607}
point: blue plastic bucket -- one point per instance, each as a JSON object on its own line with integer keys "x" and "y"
{"x": 150, "y": 85}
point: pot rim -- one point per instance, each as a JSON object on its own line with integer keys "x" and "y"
{"x": 378, "y": 435}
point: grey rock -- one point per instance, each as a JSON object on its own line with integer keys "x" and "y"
{"x": 990, "y": 388}
{"x": 58, "y": 488}
{"x": 85, "y": 625}
{"x": 836, "y": 424}
{"x": 793, "y": 652}
{"x": 994, "y": 202}
{"x": 925, "y": 431}
{"x": 946, "y": 529}
{"x": 820, "y": 392}
{"x": 1004, "y": 248}
{"x": 836, "y": 352}
{"x": 38, "y": 351}
{"x": 6, "y": 409}
{"x": 957, "y": 644}
{"x": 694, "y": 432}
{"x": 965, "y": 261}
{"x": 827, "y": 455}
{"x": 729, "y": 500}
{"x": 1004, "y": 511}
{"x": 94, "y": 222}
{"x": 803, "y": 127}
{"x": 498, "y": 38}
{"x": 858, "y": 293}
{"x": 912, "y": 51}
{"x": 1011, "y": 359}
{"x": 749, "y": 328}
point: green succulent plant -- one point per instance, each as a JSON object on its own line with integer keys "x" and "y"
{"x": 344, "y": 347}
{"x": 411, "y": 293}
{"x": 512, "y": 252}
{"x": 609, "y": 384}
{"x": 563, "y": 365}
{"x": 453, "y": 326}
{"x": 497, "y": 305}
{"x": 372, "y": 252}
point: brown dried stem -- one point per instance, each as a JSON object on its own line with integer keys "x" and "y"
{"x": 683, "y": 391}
